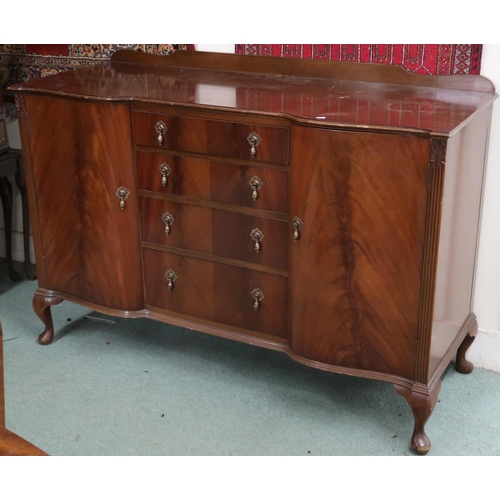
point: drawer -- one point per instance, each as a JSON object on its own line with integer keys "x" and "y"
{"x": 242, "y": 185}
{"x": 230, "y": 139}
{"x": 215, "y": 232}
{"x": 216, "y": 292}
{"x": 212, "y": 137}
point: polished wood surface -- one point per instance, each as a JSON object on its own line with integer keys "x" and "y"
{"x": 90, "y": 247}
{"x": 217, "y": 181}
{"x": 356, "y": 269}
{"x": 216, "y": 292}
{"x": 342, "y": 94}
{"x": 215, "y": 232}
{"x": 355, "y": 250}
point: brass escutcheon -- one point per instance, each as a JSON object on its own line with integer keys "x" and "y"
{"x": 171, "y": 277}
{"x": 123, "y": 194}
{"x": 168, "y": 220}
{"x": 254, "y": 140}
{"x": 297, "y": 226}
{"x": 257, "y": 296}
{"x": 256, "y": 235}
{"x": 256, "y": 185}
{"x": 160, "y": 128}
{"x": 165, "y": 171}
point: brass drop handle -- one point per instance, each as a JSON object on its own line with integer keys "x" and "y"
{"x": 168, "y": 220}
{"x": 256, "y": 185}
{"x": 160, "y": 128}
{"x": 165, "y": 171}
{"x": 171, "y": 277}
{"x": 123, "y": 194}
{"x": 256, "y": 235}
{"x": 254, "y": 140}
{"x": 257, "y": 296}
{"x": 297, "y": 226}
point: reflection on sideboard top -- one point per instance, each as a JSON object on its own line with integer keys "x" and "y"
{"x": 416, "y": 103}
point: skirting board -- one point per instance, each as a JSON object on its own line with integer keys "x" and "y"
{"x": 484, "y": 352}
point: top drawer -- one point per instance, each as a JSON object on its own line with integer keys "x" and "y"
{"x": 228, "y": 139}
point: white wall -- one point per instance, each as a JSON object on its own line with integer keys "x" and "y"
{"x": 485, "y": 351}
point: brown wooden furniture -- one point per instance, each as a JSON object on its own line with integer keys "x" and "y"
{"x": 11, "y": 163}
{"x": 10, "y": 443}
{"x": 326, "y": 210}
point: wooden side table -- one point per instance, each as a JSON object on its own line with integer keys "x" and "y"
{"x": 11, "y": 444}
{"x": 11, "y": 162}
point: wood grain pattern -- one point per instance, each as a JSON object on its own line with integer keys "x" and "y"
{"x": 84, "y": 150}
{"x": 216, "y": 292}
{"x": 200, "y": 179}
{"x": 356, "y": 270}
{"x": 230, "y": 139}
{"x": 215, "y": 232}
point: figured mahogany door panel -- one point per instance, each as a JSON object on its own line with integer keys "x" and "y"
{"x": 232, "y": 139}
{"x": 154, "y": 129}
{"x": 216, "y": 232}
{"x": 81, "y": 155}
{"x": 356, "y": 268}
{"x": 242, "y": 185}
{"x": 216, "y": 292}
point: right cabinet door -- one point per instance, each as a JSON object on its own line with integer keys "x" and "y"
{"x": 355, "y": 269}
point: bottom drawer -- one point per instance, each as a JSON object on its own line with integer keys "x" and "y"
{"x": 216, "y": 292}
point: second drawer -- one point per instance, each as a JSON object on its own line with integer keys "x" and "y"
{"x": 215, "y": 232}
{"x": 244, "y": 185}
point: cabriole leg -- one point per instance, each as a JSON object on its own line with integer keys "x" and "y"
{"x": 422, "y": 403}
{"x": 41, "y": 306}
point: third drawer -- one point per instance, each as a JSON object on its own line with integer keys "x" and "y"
{"x": 222, "y": 233}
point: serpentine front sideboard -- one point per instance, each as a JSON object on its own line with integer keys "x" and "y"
{"x": 327, "y": 210}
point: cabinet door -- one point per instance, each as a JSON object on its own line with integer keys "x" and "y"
{"x": 81, "y": 155}
{"x": 355, "y": 271}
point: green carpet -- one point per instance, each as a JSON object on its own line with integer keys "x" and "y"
{"x": 142, "y": 388}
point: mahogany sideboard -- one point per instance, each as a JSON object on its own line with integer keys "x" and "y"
{"x": 327, "y": 210}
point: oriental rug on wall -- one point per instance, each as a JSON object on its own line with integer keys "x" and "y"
{"x": 430, "y": 59}
{"x": 21, "y": 62}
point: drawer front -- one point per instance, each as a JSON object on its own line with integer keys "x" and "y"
{"x": 198, "y": 179}
{"x": 230, "y": 139}
{"x": 212, "y": 137}
{"x": 216, "y": 292}
{"x": 154, "y": 129}
{"x": 215, "y": 232}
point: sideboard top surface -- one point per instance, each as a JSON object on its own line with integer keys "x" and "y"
{"x": 332, "y": 94}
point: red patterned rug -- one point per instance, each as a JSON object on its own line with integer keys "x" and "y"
{"x": 19, "y": 63}
{"x": 427, "y": 59}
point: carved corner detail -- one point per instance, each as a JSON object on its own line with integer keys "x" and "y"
{"x": 438, "y": 153}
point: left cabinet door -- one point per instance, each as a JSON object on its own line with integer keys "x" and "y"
{"x": 81, "y": 155}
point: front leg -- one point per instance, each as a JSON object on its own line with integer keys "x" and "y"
{"x": 422, "y": 400}
{"x": 41, "y": 306}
